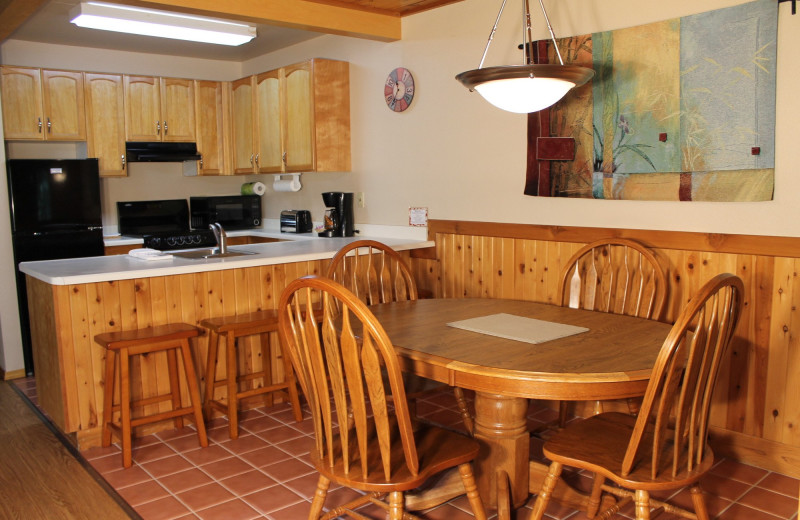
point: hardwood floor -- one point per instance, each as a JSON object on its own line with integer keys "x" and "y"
{"x": 40, "y": 477}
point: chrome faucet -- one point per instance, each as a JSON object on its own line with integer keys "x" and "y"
{"x": 221, "y": 236}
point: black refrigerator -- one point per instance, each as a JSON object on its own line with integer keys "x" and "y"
{"x": 55, "y": 213}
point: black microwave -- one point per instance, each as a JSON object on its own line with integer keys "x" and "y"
{"x": 233, "y": 211}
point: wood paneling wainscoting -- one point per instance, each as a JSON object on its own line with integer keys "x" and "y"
{"x": 756, "y": 413}
{"x": 65, "y": 319}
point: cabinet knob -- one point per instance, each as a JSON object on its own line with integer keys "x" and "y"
{"x": 40, "y": 125}
{"x": 283, "y": 157}
{"x": 158, "y": 127}
{"x": 49, "y": 126}
{"x": 256, "y": 160}
{"x": 165, "y": 128}
{"x": 123, "y": 161}
{"x": 201, "y": 162}
{"x": 251, "y": 159}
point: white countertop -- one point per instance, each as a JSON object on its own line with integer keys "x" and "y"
{"x": 295, "y": 248}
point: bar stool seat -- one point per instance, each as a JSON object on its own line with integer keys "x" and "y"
{"x": 172, "y": 338}
{"x": 231, "y": 328}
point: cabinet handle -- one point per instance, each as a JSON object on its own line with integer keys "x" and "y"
{"x": 283, "y": 157}
{"x": 123, "y": 161}
{"x": 158, "y": 127}
{"x": 165, "y": 128}
{"x": 251, "y": 159}
{"x": 49, "y": 126}
{"x": 201, "y": 162}
{"x": 256, "y": 160}
{"x": 40, "y": 125}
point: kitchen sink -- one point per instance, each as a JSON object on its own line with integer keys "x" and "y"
{"x": 197, "y": 254}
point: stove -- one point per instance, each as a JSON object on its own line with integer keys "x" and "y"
{"x": 168, "y": 241}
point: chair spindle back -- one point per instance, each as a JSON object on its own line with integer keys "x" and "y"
{"x": 339, "y": 355}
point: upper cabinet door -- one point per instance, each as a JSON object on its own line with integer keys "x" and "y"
{"x": 242, "y": 128}
{"x": 209, "y": 104}
{"x": 142, "y": 108}
{"x": 22, "y": 103}
{"x": 299, "y": 118}
{"x": 105, "y": 118}
{"x": 269, "y": 149}
{"x": 177, "y": 110}
{"x": 62, "y": 93}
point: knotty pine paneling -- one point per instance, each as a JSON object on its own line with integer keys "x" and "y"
{"x": 758, "y": 392}
{"x": 66, "y": 319}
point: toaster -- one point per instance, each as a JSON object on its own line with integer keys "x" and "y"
{"x": 296, "y": 221}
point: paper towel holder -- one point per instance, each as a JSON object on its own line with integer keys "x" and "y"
{"x": 291, "y": 184}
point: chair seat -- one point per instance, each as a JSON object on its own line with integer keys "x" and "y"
{"x": 150, "y": 335}
{"x": 599, "y": 444}
{"x": 438, "y": 449}
{"x": 267, "y": 318}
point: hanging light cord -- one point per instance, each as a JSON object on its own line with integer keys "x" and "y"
{"x": 526, "y": 33}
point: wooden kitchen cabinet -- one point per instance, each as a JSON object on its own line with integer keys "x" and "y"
{"x": 105, "y": 122}
{"x": 159, "y": 109}
{"x": 43, "y": 104}
{"x": 302, "y": 121}
{"x": 210, "y": 104}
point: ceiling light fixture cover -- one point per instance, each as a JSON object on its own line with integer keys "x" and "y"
{"x": 149, "y": 22}
{"x": 528, "y": 87}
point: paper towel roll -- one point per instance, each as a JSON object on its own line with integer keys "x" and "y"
{"x": 253, "y": 188}
{"x": 287, "y": 185}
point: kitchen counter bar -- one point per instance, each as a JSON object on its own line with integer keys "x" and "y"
{"x": 297, "y": 248}
{"x": 73, "y": 300}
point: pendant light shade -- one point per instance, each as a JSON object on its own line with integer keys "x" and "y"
{"x": 529, "y": 87}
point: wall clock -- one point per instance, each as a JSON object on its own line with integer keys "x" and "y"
{"x": 399, "y": 89}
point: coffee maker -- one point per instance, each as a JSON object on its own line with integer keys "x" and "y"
{"x": 338, "y": 221}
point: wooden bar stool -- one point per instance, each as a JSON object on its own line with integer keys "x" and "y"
{"x": 231, "y": 328}
{"x": 172, "y": 338}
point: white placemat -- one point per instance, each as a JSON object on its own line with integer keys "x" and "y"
{"x": 518, "y": 328}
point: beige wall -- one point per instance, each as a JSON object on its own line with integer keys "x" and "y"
{"x": 451, "y": 151}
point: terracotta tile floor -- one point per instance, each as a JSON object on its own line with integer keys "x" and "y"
{"x": 266, "y": 473}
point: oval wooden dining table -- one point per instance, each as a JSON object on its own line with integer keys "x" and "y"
{"x": 611, "y": 360}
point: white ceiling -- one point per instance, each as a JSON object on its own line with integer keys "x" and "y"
{"x": 51, "y": 25}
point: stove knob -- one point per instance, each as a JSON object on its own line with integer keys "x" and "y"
{"x": 196, "y": 239}
{"x": 155, "y": 242}
{"x": 171, "y": 241}
{"x": 182, "y": 240}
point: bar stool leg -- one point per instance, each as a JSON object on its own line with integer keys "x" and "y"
{"x": 266, "y": 365}
{"x": 108, "y": 396}
{"x": 233, "y": 387}
{"x": 194, "y": 391}
{"x": 125, "y": 407}
{"x": 174, "y": 384}
{"x": 211, "y": 372}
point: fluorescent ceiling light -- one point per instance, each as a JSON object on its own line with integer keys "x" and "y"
{"x": 149, "y": 22}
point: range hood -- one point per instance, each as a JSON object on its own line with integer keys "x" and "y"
{"x": 161, "y": 152}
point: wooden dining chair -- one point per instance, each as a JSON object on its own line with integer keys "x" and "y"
{"x": 362, "y": 440}
{"x": 615, "y": 275}
{"x": 665, "y": 446}
{"x": 376, "y": 273}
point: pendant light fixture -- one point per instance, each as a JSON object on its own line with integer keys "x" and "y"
{"x": 528, "y": 87}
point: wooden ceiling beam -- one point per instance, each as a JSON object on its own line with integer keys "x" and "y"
{"x": 296, "y": 14}
{"x": 14, "y": 12}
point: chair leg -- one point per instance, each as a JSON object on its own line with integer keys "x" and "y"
{"x": 233, "y": 387}
{"x": 699, "y": 502}
{"x": 194, "y": 392}
{"x": 108, "y": 396}
{"x": 174, "y": 385}
{"x": 291, "y": 385}
{"x": 396, "y": 505}
{"x": 264, "y": 342}
{"x": 466, "y": 415}
{"x": 319, "y": 498}
{"x": 643, "y": 505}
{"x": 125, "y": 407}
{"x": 475, "y": 502}
{"x": 593, "y": 506}
{"x": 548, "y": 486}
{"x": 211, "y": 372}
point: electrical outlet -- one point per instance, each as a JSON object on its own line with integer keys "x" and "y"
{"x": 360, "y": 200}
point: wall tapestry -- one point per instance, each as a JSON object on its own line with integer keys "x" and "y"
{"x": 682, "y": 109}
